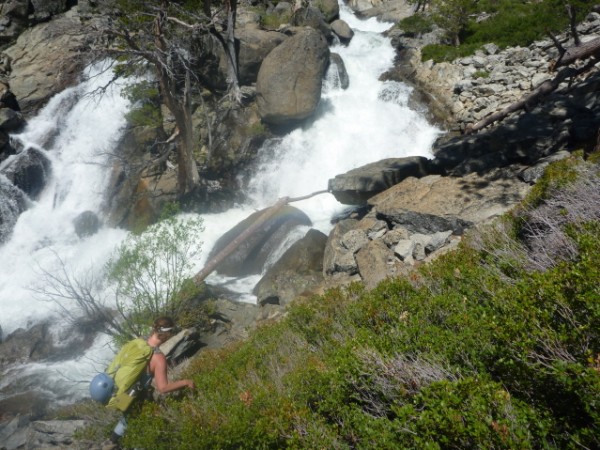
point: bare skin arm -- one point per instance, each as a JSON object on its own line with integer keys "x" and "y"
{"x": 158, "y": 368}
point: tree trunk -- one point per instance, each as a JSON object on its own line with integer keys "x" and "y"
{"x": 583, "y": 51}
{"x": 232, "y": 66}
{"x": 187, "y": 173}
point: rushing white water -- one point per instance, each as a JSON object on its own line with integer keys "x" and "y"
{"x": 81, "y": 130}
{"x": 367, "y": 122}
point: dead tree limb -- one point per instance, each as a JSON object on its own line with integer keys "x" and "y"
{"x": 584, "y": 51}
{"x": 543, "y": 89}
{"x": 259, "y": 222}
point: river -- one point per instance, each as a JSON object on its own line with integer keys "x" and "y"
{"x": 368, "y": 121}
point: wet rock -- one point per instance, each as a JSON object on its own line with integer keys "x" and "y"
{"x": 13, "y": 202}
{"x": 299, "y": 271}
{"x": 86, "y": 224}
{"x": 250, "y": 255}
{"x": 337, "y": 64}
{"x": 358, "y": 185}
{"x": 288, "y": 88}
{"x": 29, "y": 171}
{"x": 10, "y": 120}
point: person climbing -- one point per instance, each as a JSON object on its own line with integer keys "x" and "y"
{"x": 138, "y": 365}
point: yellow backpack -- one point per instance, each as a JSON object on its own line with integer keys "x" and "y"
{"x": 126, "y": 369}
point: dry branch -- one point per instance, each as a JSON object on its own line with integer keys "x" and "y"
{"x": 589, "y": 49}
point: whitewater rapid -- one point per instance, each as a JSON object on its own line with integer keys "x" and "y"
{"x": 367, "y": 122}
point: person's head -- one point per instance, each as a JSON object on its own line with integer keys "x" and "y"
{"x": 163, "y": 328}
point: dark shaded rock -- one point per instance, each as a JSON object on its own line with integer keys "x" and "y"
{"x": 416, "y": 222}
{"x": 86, "y": 224}
{"x": 44, "y": 9}
{"x": 298, "y": 271}
{"x": 288, "y": 88}
{"x": 10, "y": 120}
{"x": 251, "y": 254}
{"x": 337, "y": 64}
{"x": 13, "y": 19}
{"x": 358, "y": 185}
{"x": 181, "y": 346}
{"x": 29, "y": 171}
{"x": 12, "y": 203}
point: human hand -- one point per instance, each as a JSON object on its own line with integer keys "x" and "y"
{"x": 190, "y": 384}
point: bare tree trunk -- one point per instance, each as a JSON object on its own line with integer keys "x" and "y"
{"x": 187, "y": 173}
{"x": 586, "y": 50}
{"x": 232, "y": 66}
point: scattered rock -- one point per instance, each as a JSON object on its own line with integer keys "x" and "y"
{"x": 86, "y": 224}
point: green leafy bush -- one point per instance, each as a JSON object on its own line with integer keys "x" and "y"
{"x": 150, "y": 271}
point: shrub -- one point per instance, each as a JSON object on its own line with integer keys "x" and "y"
{"x": 150, "y": 271}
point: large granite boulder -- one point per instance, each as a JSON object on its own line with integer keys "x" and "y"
{"x": 343, "y": 31}
{"x": 288, "y": 88}
{"x": 311, "y": 17}
{"x": 329, "y": 8}
{"x": 254, "y": 46}
{"x": 298, "y": 271}
{"x": 251, "y": 254}
{"x": 358, "y": 185}
{"x": 34, "y": 76}
{"x": 456, "y": 202}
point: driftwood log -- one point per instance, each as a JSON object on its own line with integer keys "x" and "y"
{"x": 258, "y": 223}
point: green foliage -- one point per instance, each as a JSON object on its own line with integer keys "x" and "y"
{"x": 481, "y": 74}
{"x": 274, "y": 21}
{"x": 510, "y": 23}
{"x": 145, "y": 99}
{"x": 149, "y": 271}
{"x": 452, "y": 16}
{"x": 557, "y": 175}
{"x": 416, "y": 24}
{"x": 472, "y": 351}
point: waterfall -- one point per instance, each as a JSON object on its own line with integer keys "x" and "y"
{"x": 368, "y": 121}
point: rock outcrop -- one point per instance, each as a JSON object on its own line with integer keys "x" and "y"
{"x": 298, "y": 271}
{"x": 288, "y": 88}
{"x": 250, "y": 255}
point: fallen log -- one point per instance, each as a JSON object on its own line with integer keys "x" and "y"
{"x": 260, "y": 221}
{"x": 585, "y": 50}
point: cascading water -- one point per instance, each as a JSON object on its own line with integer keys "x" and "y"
{"x": 77, "y": 131}
{"x": 366, "y": 122}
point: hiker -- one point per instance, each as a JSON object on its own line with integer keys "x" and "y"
{"x": 143, "y": 361}
{"x": 162, "y": 330}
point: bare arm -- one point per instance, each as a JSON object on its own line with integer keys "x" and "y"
{"x": 158, "y": 368}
